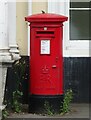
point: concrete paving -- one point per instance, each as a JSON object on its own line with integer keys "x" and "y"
{"x": 77, "y": 111}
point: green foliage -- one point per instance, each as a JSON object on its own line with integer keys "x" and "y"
{"x": 19, "y": 71}
{"x": 48, "y": 108}
{"x": 66, "y": 102}
{"x": 65, "y": 105}
{"x": 5, "y": 114}
{"x": 16, "y": 103}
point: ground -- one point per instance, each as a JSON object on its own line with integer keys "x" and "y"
{"x": 77, "y": 111}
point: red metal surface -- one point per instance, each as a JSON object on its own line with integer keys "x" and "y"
{"x": 46, "y": 17}
{"x": 46, "y": 69}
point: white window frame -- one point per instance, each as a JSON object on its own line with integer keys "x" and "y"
{"x": 71, "y": 48}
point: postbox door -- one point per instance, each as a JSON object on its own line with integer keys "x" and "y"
{"x": 46, "y": 63}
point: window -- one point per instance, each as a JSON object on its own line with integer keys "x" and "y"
{"x": 79, "y": 20}
{"x": 76, "y": 30}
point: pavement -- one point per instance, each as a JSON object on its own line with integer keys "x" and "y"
{"x": 77, "y": 111}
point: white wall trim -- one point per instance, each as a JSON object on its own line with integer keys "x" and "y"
{"x": 4, "y": 43}
{"x": 29, "y": 13}
{"x": 12, "y": 30}
{"x": 12, "y": 23}
{"x": 70, "y": 48}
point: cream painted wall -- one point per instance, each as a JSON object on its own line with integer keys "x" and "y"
{"x": 37, "y": 6}
{"x": 21, "y": 27}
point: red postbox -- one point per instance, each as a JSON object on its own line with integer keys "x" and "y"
{"x": 46, "y": 61}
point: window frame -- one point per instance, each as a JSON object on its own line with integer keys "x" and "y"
{"x": 71, "y": 48}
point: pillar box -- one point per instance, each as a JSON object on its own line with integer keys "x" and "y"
{"x": 46, "y": 61}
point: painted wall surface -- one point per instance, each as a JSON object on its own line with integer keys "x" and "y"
{"x": 37, "y": 6}
{"x": 21, "y": 27}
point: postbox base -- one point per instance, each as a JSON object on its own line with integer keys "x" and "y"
{"x": 40, "y": 104}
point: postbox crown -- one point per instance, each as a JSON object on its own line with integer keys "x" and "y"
{"x": 46, "y": 17}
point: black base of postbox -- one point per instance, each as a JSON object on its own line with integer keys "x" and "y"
{"x": 42, "y": 104}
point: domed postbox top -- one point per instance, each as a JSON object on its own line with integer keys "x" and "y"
{"x": 46, "y": 17}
